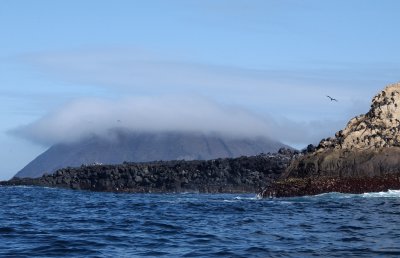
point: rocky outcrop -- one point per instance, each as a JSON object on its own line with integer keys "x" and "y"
{"x": 379, "y": 128}
{"x": 367, "y": 151}
{"x": 243, "y": 174}
{"x": 311, "y": 186}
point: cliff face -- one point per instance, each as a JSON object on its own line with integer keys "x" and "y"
{"x": 366, "y": 151}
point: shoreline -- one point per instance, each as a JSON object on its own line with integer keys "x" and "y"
{"x": 206, "y": 190}
{"x": 295, "y": 187}
{"x": 229, "y": 175}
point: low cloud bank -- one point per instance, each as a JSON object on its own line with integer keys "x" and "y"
{"x": 87, "y": 117}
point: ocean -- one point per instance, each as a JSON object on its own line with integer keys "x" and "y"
{"x": 45, "y": 222}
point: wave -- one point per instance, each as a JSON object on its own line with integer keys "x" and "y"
{"x": 337, "y": 195}
{"x": 255, "y": 197}
{"x": 242, "y": 198}
{"x": 388, "y": 194}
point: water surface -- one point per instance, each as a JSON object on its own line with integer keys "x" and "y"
{"x": 45, "y": 222}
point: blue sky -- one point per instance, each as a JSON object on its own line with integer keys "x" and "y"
{"x": 271, "y": 63}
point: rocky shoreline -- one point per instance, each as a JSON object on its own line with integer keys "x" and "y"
{"x": 230, "y": 175}
{"x": 293, "y": 187}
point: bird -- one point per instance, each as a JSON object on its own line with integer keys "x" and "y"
{"x": 332, "y": 99}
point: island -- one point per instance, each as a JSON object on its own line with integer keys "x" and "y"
{"x": 363, "y": 157}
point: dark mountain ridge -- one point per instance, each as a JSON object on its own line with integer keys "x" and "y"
{"x": 144, "y": 147}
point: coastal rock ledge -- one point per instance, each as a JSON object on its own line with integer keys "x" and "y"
{"x": 363, "y": 157}
{"x": 227, "y": 175}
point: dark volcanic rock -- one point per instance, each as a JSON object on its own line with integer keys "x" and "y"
{"x": 346, "y": 163}
{"x": 311, "y": 186}
{"x": 365, "y": 156}
{"x": 143, "y": 147}
{"x": 243, "y": 174}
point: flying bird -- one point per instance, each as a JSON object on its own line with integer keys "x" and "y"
{"x": 332, "y": 99}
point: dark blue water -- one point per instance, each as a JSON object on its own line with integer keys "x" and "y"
{"x": 43, "y": 222}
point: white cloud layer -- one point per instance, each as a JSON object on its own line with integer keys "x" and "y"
{"x": 86, "y": 117}
{"x": 142, "y": 114}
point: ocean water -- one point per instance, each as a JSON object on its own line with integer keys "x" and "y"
{"x": 44, "y": 222}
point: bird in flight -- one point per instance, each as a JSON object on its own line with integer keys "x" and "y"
{"x": 332, "y": 99}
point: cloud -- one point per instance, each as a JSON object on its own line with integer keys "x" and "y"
{"x": 287, "y": 105}
{"x": 87, "y": 117}
{"x": 139, "y": 71}
{"x": 292, "y": 92}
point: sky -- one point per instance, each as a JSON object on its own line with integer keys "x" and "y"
{"x": 69, "y": 68}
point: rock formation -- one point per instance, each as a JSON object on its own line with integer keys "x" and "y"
{"x": 365, "y": 156}
{"x": 143, "y": 147}
{"x": 378, "y": 128}
{"x": 243, "y": 174}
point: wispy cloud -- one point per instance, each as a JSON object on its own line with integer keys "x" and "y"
{"x": 136, "y": 72}
{"x": 83, "y": 118}
{"x": 88, "y": 117}
{"x": 287, "y": 105}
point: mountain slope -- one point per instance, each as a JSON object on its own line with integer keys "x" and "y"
{"x": 141, "y": 147}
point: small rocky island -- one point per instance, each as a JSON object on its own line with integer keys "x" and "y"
{"x": 363, "y": 157}
{"x": 227, "y": 175}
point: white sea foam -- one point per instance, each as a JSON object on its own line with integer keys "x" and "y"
{"x": 22, "y": 186}
{"x": 247, "y": 198}
{"x": 279, "y": 202}
{"x": 229, "y": 200}
{"x": 390, "y": 193}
